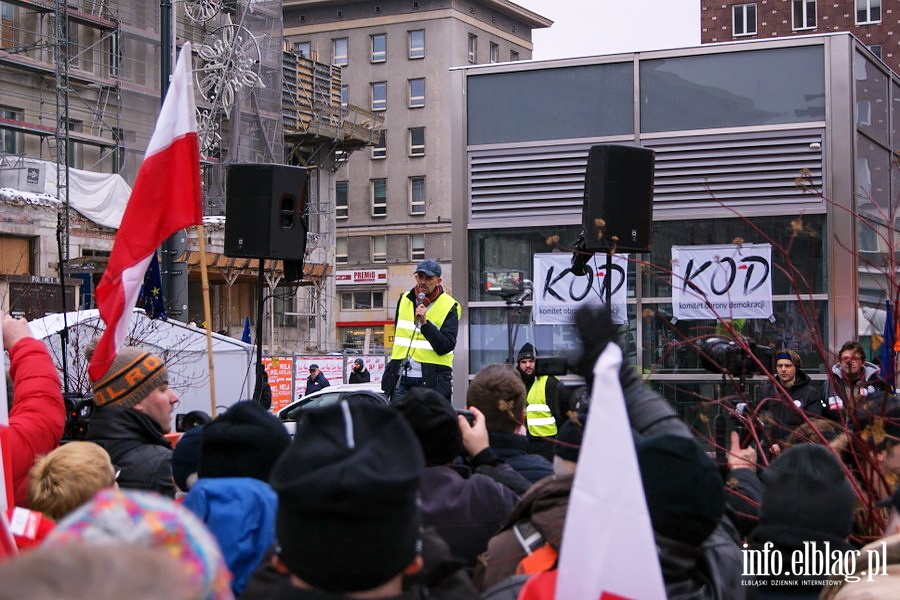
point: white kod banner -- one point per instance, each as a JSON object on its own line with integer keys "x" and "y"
{"x": 558, "y": 293}
{"x": 722, "y": 282}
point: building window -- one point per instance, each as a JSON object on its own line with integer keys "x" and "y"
{"x": 495, "y": 52}
{"x": 876, "y": 49}
{"x": 339, "y": 54}
{"x": 513, "y": 55}
{"x": 379, "y": 47}
{"x": 379, "y": 248}
{"x": 362, "y": 300}
{"x": 304, "y": 49}
{"x": 868, "y": 11}
{"x": 417, "y": 93}
{"x": 417, "y": 141}
{"x": 341, "y": 201}
{"x": 804, "y": 12}
{"x": 340, "y": 251}
{"x": 417, "y": 195}
{"x": 379, "y": 150}
{"x": 473, "y": 48}
{"x": 379, "y": 197}
{"x": 7, "y": 30}
{"x": 417, "y": 44}
{"x": 417, "y": 246}
{"x": 379, "y": 95}
{"x": 345, "y": 95}
{"x": 744, "y": 19}
{"x": 9, "y": 139}
{"x": 114, "y": 55}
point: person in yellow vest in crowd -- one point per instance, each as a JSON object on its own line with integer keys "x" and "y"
{"x": 425, "y": 330}
{"x": 544, "y": 413}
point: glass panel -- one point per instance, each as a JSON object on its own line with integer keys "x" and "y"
{"x": 551, "y": 104}
{"x": 512, "y": 249}
{"x": 799, "y": 247}
{"x": 379, "y": 48}
{"x": 416, "y": 93}
{"x": 873, "y": 172}
{"x": 379, "y": 95}
{"x": 417, "y": 44}
{"x": 669, "y": 347}
{"x": 417, "y": 141}
{"x": 339, "y": 52}
{"x": 734, "y": 89}
{"x": 871, "y": 98}
{"x": 342, "y": 209}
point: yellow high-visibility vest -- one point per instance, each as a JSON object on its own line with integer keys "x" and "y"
{"x": 408, "y": 340}
{"x": 538, "y": 416}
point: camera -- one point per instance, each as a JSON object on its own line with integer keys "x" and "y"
{"x": 187, "y": 421}
{"x": 506, "y": 283}
{"x": 468, "y": 414}
{"x": 79, "y": 408}
{"x": 727, "y": 356}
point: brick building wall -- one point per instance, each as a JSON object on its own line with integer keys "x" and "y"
{"x": 774, "y": 19}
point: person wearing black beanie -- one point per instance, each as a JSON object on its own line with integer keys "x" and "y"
{"x": 348, "y": 513}
{"x": 807, "y": 502}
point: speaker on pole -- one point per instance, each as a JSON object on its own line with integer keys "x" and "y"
{"x": 265, "y": 211}
{"x": 618, "y": 198}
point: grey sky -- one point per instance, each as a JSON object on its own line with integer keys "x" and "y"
{"x": 591, "y": 27}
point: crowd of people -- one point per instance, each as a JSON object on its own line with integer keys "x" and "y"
{"x": 416, "y": 499}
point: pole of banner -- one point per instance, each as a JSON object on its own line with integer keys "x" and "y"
{"x": 207, "y": 317}
{"x": 607, "y": 279}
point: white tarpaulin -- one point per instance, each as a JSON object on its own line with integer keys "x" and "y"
{"x": 182, "y": 346}
{"x": 101, "y": 197}
{"x": 558, "y": 293}
{"x": 722, "y": 281}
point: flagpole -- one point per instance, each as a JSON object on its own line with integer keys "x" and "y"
{"x": 207, "y": 317}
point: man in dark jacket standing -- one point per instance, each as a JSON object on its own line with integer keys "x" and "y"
{"x": 134, "y": 409}
{"x": 854, "y": 391}
{"x": 316, "y": 380}
{"x": 543, "y": 413}
{"x": 359, "y": 374}
{"x": 784, "y": 414}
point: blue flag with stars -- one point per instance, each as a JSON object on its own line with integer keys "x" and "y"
{"x": 245, "y": 337}
{"x": 151, "y": 298}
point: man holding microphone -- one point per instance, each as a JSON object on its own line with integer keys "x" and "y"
{"x": 425, "y": 329}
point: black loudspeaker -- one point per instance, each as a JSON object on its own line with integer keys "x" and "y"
{"x": 265, "y": 211}
{"x": 618, "y": 198}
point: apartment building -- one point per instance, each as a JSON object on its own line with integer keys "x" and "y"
{"x": 392, "y": 201}
{"x": 873, "y": 22}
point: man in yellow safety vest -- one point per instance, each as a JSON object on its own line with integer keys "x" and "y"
{"x": 425, "y": 329}
{"x": 543, "y": 415}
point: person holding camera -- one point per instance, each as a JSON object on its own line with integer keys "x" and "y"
{"x": 425, "y": 329}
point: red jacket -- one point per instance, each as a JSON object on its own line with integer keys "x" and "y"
{"x": 38, "y": 415}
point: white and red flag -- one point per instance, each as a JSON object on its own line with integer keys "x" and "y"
{"x": 608, "y": 550}
{"x": 166, "y": 197}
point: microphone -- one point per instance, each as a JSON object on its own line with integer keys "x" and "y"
{"x": 580, "y": 257}
{"x": 420, "y": 300}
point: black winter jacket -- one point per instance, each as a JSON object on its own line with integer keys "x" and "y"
{"x": 513, "y": 449}
{"x": 136, "y": 446}
{"x": 782, "y": 416}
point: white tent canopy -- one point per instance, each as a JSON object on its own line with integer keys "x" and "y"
{"x": 182, "y": 346}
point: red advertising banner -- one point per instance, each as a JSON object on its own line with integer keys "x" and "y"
{"x": 280, "y": 370}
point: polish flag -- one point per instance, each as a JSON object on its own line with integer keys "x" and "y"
{"x": 166, "y": 197}
{"x": 608, "y": 550}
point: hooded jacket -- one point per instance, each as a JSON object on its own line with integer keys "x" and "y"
{"x": 240, "y": 513}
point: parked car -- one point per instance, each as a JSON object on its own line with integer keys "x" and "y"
{"x": 357, "y": 392}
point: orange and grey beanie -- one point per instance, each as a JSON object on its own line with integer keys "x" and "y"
{"x": 132, "y": 376}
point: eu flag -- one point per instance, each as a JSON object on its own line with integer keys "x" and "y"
{"x": 151, "y": 298}
{"x": 245, "y": 337}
